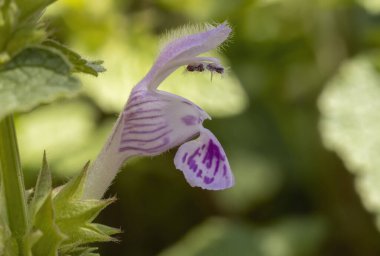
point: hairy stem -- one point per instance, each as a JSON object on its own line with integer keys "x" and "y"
{"x": 12, "y": 180}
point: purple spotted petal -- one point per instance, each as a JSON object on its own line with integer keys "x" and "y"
{"x": 204, "y": 163}
{"x": 154, "y": 121}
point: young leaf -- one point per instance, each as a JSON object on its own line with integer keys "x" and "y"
{"x": 42, "y": 189}
{"x": 83, "y": 235}
{"x": 52, "y": 237}
{"x": 80, "y": 211}
{"x": 75, "y": 219}
{"x": 32, "y": 9}
{"x": 74, "y": 216}
{"x": 79, "y": 64}
{"x": 34, "y": 76}
{"x": 71, "y": 190}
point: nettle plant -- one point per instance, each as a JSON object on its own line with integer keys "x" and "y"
{"x": 34, "y": 70}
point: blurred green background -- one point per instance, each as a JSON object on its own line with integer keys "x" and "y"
{"x": 298, "y": 114}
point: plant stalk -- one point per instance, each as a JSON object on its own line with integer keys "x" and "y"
{"x": 12, "y": 181}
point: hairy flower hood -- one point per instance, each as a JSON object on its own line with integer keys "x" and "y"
{"x": 155, "y": 121}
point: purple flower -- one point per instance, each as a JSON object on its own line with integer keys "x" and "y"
{"x": 155, "y": 121}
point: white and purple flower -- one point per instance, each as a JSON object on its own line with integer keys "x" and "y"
{"x": 155, "y": 121}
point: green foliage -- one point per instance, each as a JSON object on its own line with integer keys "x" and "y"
{"x": 8, "y": 245}
{"x": 60, "y": 222}
{"x": 350, "y": 123}
{"x": 20, "y": 25}
{"x": 74, "y": 215}
{"x": 40, "y": 75}
{"x": 78, "y": 63}
{"x": 31, "y": 9}
{"x": 34, "y": 76}
{"x": 31, "y": 73}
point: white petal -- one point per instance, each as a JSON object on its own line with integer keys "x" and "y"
{"x": 204, "y": 163}
{"x": 154, "y": 122}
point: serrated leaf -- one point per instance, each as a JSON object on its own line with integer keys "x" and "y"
{"x": 52, "y": 237}
{"x": 79, "y": 64}
{"x": 36, "y": 75}
{"x": 42, "y": 189}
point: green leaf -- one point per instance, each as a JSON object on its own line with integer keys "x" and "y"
{"x": 79, "y": 64}
{"x": 52, "y": 237}
{"x": 80, "y": 211}
{"x": 71, "y": 190}
{"x": 11, "y": 247}
{"x": 61, "y": 220}
{"x": 74, "y": 215}
{"x": 32, "y": 9}
{"x": 75, "y": 219}
{"x": 42, "y": 189}
{"x": 82, "y": 235}
{"x": 350, "y": 124}
{"x": 34, "y": 76}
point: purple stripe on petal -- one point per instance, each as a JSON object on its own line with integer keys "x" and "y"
{"x": 134, "y": 125}
{"x": 141, "y": 110}
{"x": 142, "y": 118}
{"x": 148, "y": 140}
{"x": 141, "y": 103}
{"x": 146, "y": 150}
{"x": 136, "y": 95}
{"x": 224, "y": 170}
{"x": 184, "y": 157}
{"x": 145, "y": 132}
{"x": 192, "y": 162}
{"x": 213, "y": 152}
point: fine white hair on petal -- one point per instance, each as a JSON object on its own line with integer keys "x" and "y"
{"x": 183, "y": 51}
{"x": 185, "y": 30}
{"x": 194, "y": 40}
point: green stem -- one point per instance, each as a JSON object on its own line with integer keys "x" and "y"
{"x": 12, "y": 180}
